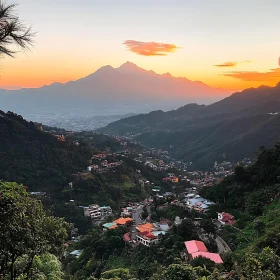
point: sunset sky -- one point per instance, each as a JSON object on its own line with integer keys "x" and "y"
{"x": 232, "y": 44}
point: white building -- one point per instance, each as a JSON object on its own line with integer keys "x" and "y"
{"x": 105, "y": 210}
{"x": 96, "y": 212}
{"x": 92, "y": 211}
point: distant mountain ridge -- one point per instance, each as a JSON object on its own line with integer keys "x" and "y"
{"x": 230, "y": 129}
{"x": 116, "y": 89}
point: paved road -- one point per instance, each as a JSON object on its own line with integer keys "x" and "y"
{"x": 136, "y": 215}
{"x": 222, "y": 245}
{"x": 137, "y": 220}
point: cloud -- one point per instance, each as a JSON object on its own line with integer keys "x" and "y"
{"x": 254, "y": 76}
{"x": 231, "y": 63}
{"x": 150, "y": 48}
{"x": 226, "y": 64}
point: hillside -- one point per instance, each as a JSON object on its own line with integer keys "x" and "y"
{"x": 35, "y": 158}
{"x": 232, "y": 128}
{"x": 252, "y": 196}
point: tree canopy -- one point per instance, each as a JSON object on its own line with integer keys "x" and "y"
{"x": 26, "y": 231}
{"x": 13, "y": 33}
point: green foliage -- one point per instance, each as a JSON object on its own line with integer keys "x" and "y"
{"x": 203, "y": 262}
{"x": 263, "y": 266}
{"x": 120, "y": 273}
{"x": 26, "y": 231}
{"x": 46, "y": 267}
{"x": 180, "y": 272}
{"x": 35, "y": 158}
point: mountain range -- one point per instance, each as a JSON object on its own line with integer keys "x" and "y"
{"x": 230, "y": 129}
{"x": 109, "y": 90}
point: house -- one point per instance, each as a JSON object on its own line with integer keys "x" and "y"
{"x": 76, "y": 253}
{"x": 110, "y": 226}
{"x": 123, "y": 221}
{"x": 148, "y": 238}
{"x": 156, "y": 189}
{"x": 126, "y": 237}
{"x": 193, "y": 201}
{"x": 226, "y": 218}
{"x": 148, "y": 235}
{"x": 197, "y": 249}
{"x": 145, "y": 227}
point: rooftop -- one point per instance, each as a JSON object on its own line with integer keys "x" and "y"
{"x": 122, "y": 221}
{"x": 145, "y": 227}
{"x": 195, "y": 246}
{"x": 212, "y": 256}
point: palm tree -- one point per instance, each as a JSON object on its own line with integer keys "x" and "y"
{"x": 13, "y": 33}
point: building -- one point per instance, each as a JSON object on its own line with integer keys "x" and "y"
{"x": 110, "y": 226}
{"x": 106, "y": 211}
{"x": 148, "y": 235}
{"x": 226, "y": 219}
{"x": 76, "y": 253}
{"x": 155, "y": 188}
{"x": 93, "y": 211}
{"x": 146, "y": 238}
{"x": 123, "y": 221}
{"x": 96, "y": 212}
{"x": 146, "y": 227}
{"x": 197, "y": 249}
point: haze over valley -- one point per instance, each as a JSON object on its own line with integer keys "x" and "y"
{"x": 105, "y": 96}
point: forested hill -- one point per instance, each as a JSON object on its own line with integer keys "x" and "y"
{"x": 35, "y": 158}
{"x": 252, "y": 195}
{"x": 230, "y": 129}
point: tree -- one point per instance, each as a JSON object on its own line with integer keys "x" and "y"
{"x": 46, "y": 267}
{"x": 203, "y": 262}
{"x": 181, "y": 272}
{"x": 263, "y": 266}
{"x": 12, "y": 31}
{"x": 120, "y": 273}
{"x": 26, "y": 231}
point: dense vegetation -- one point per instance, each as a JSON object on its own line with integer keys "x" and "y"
{"x": 231, "y": 129}
{"x": 28, "y": 236}
{"x": 252, "y": 195}
{"x": 35, "y": 158}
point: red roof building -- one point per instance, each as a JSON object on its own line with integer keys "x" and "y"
{"x": 194, "y": 246}
{"x": 226, "y": 218}
{"x": 146, "y": 238}
{"x": 126, "y": 237}
{"x": 211, "y": 256}
{"x": 198, "y": 249}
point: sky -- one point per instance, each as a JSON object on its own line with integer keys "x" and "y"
{"x": 231, "y": 44}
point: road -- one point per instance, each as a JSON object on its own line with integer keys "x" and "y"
{"x": 222, "y": 245}
{"x": 137, "y": 220}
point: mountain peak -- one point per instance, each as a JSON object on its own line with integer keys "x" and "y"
{"x": 129, "y": 66}
{"x": 168, "y": 75}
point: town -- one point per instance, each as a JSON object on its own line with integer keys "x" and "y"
{"x": 178, "y": 188}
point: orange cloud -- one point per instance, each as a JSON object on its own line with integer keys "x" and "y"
{"x": 231, "y": 63}
{"x": 253, "y": 76}
{"x": 226, "y": 64}
{"x": 150, "y": 48}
